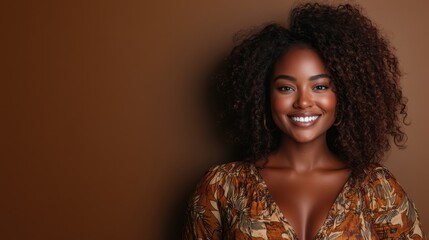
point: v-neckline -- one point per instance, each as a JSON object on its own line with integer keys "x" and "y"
{"x": 277, "y": 209}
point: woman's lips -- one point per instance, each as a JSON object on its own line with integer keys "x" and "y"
{"x": 304, "y": 121}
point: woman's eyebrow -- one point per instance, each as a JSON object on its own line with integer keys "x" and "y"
{"x": 286, "y": 77}
{"x": 323, "y": 75}
{"x": 315, "y": 77}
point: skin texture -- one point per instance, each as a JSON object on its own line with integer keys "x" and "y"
{"x": 303, "y": 175}
{"x": 301, "y": 87}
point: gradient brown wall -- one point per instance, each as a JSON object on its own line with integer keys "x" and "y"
{"x": 103, "y": 130}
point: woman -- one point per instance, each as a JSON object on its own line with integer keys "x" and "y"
{"x": 311, "y": 111}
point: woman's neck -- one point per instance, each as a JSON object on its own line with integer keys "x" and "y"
{"x": 303, "y": 157}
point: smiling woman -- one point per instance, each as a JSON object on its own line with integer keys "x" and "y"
{"x": 311, "y": 112}
{"x": 303, "y": 102}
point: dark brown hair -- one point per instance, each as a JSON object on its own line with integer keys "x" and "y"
{"x": 371, "y": 108}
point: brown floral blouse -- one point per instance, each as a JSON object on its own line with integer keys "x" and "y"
{"x": 232, "y": 202}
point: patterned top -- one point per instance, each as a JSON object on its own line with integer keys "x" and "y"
{"x": 232, "y": 202}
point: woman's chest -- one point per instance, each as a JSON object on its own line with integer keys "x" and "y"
{"x": 253, "y": 213}
{"x": 255, "y": 222}
{"x": 306, "y": 200}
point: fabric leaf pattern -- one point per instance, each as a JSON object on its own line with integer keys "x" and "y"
{"x": 232, "y": 201}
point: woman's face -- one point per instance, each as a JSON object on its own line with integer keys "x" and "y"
{"x": 303, "y": 102}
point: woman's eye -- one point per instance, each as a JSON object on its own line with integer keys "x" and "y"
{"x": 321, "y": 87}
{"x": 285, "y": 89}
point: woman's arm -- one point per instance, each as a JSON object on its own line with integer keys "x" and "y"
{"x": 202, "y": 220}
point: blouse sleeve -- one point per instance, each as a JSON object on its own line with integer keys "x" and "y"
{"x": 393, "y": 213}
{"x": 202, "y": 219}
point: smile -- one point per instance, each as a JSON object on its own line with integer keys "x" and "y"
{"x": 305, "y": 119}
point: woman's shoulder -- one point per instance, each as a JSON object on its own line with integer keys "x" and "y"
{"x": 235, "y": 169}
{"x": 376, "y": 173}
{"x": 232, "y": 167}
{"x": 228, "y": 179}
{"x": 382, "y": 190}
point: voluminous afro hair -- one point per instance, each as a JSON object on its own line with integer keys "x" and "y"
{"x": 371, "y": 108}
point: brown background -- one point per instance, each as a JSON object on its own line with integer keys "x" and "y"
{"x": 103, "y": 130}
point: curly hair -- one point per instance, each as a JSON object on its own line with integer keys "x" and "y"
{"x": 371, "y": 109}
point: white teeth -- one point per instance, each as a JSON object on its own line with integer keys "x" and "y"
{"x": 304, "y": 119}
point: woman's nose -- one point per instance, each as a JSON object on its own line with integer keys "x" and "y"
{"x": 303, "y": 100}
